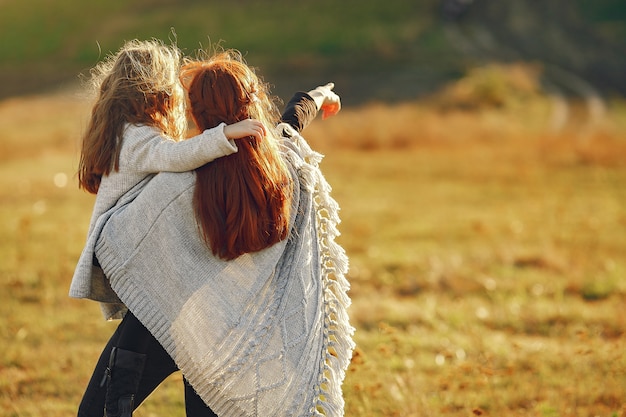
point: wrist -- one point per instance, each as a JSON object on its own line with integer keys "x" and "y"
{"x": 318, "y": 97}
{"x": 227, "y": 130}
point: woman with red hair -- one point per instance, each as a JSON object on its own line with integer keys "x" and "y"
{"x": 230, "y": 273}
{"x": 242, "y": 203}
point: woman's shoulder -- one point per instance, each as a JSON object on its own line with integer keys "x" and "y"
{"x": 169, "y": 186}
{"x": 294, "y": 144}
{"x": 172, "y": 183}
{"x": 158, "y": 193}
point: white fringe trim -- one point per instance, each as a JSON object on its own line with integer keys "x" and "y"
{"x": 338, "y": 343}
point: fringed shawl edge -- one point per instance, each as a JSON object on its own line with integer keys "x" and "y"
{"x": 338, "y": 344}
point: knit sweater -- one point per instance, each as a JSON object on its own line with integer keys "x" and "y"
{"x": 145, "y": 152}
{"x": 266, "y": 334}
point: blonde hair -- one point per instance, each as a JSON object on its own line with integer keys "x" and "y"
{"x": 140, "y": 85}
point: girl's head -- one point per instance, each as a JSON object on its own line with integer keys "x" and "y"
{"x": 241, "y": 201}
{"x": 139, "y": 84}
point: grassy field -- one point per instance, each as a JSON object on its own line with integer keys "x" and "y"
{"x": 487, "y": 260}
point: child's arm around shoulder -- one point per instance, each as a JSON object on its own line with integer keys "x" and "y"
{"x": 243, "y": 128}
{"x": 146, "y": 149}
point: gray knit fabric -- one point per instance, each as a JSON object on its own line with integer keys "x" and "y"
{"x": 266, "y": 334}
{"x": 145, "y": 151}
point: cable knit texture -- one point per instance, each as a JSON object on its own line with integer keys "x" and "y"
{"x": 266, "y": 334}
{"x": 145, "y": 151}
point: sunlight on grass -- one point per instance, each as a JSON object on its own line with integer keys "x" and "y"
{"x": 486, "y": 251}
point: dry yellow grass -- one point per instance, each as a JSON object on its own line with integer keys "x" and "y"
{"x": 487, "y": 261}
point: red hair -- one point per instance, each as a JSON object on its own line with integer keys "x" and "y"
{"x": 241, "y": 201}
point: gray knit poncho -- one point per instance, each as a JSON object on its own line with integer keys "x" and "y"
{"x": 266, "y": 334}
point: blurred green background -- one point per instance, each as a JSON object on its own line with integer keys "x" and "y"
{"x": 374, "y": 50}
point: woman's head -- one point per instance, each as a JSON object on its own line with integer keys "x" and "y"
{"x": 139, "y": 84}
{"x": 223, "y": 88}
{"x": 241, "y": 201}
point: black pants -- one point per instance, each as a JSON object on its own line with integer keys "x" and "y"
{"x": 132, "y": 335}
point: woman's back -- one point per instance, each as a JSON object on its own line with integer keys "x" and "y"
{"x": 266, "y": 333}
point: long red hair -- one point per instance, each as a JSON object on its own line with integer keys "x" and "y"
{"x": 241, "y": 201}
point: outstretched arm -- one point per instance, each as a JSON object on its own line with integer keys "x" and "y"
{"x": 303, "y": 107}
{"x": 326, "y": 100}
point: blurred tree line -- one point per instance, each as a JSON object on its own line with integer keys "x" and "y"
{"x": 581, "y": 45}
{"x": 373, "y": 50}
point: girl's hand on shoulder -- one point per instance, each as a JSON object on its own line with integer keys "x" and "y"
{"x": 244, "y": 128}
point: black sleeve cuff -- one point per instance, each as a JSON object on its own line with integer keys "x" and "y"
{"x": 300, "y": 111}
